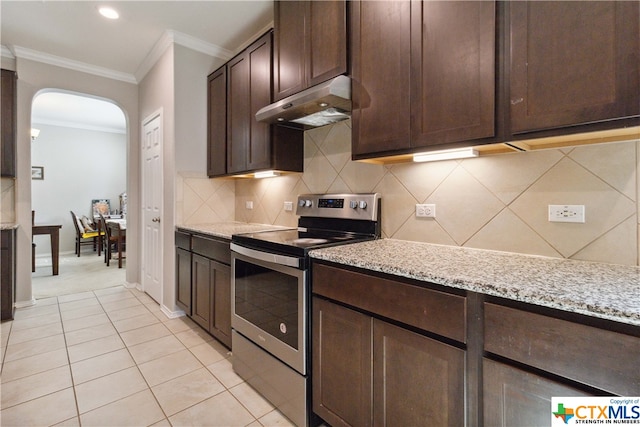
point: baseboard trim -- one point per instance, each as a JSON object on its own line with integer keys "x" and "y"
{"x": 23, "y": 304}
{"x": 171, "y": 314}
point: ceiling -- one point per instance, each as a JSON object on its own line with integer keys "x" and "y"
{"x": 74, "y": 34}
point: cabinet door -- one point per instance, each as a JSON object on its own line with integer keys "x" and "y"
{"x": 289, "y": 48}
{"x": 259, "y": 60}
{"x": 7, "y": 273}
{"x": 380, "y": 85}
{"x": 238, "y": 108}
{"x": 452, "y": 71}
{"x": 327, "y": 40}
{"x": 221, "y": 304}
{"x": 417, "y": 380}
{"x": 8, "y": 126}
{"x": 217, "y": 125}
{"x": 248, "y": 90}
{"x": 341, "y": 369}
{"x": 573, "y": 63}
{"x": 310, "y": 44}
{"x": 201, "y": 291}
{"x": 183, "y": 280}
{"x": 513, "y": 397}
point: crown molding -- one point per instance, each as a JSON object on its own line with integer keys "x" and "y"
{"x": 78, "y": 125}
{"x": 170, "y": 37}
{"x": 253, "y": 38}
{"x": 34, "y": 55}
{"x": 6, "y": 52}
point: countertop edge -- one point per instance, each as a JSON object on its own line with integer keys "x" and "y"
{"x": 374, "y": 256}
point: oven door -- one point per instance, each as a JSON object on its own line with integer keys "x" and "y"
{"x": 269, "y": 303}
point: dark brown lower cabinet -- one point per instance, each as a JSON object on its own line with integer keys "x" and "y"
{"x": 513, "y": 397}
{"x": 203, "y": 282}
{"x": 201, "y": 291}
{"x": 8, "y": 276}
{"x": 341, "y": 369}
{"x": 183, "y": 279}
{"x": 369, "y": 372}
{"x": 211, "y": 295}
{"x": 221, "y": 304}
{"x": 398, "y": 352}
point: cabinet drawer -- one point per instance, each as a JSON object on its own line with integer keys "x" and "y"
{"x": 212, "y": 249}
{"x": 599, "y": 358}
{"x": 427, "y": 309}
{"x": 183, "y": 240}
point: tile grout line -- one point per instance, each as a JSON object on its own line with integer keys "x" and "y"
{"x": 73, "y": 383}
{"x": 174, "y": 333}
{"x": 134, "y": 361}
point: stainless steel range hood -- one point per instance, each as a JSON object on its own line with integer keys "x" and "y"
{"x": 320, "y": 105}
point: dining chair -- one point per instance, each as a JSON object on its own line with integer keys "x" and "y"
{"x": 110, "y": 242}
{"x": 86, "y": 237}
{"x": 33, "y": 245}
{"x": 119, "y": 233}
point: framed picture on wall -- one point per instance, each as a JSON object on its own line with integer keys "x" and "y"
{"x": 100, "y": 206}
{"x": 37, "y": 172}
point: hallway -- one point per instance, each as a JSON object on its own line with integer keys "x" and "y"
{"x": 110, "y": 357}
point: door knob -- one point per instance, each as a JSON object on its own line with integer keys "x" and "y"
{"x": 156, "y": 219}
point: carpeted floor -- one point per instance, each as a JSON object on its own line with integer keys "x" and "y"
{"x": 76, "y": 274}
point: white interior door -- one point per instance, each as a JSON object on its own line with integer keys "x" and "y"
{"x": 152, "y": 207}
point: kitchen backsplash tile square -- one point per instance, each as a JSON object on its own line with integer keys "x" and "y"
{"x": 494, "y": 202}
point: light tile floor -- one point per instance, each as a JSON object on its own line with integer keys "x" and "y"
{"x": 110, "y": 357}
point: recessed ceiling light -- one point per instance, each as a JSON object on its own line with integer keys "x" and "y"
{"x": 108, "y": 12}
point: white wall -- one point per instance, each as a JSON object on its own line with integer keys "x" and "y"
{"x": 177, "y": 86}
{"x": 79, "y": 165}
{"x": 33, "y": 77}
{"x": 191, "y": 71}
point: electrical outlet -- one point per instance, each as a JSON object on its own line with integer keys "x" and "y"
{"x": 288, "y": 206}
{"x": 566, "y": 213}
{"x": 426, "y": 210}
{"x": 248, "y": 204}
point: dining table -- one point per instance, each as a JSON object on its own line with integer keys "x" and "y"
{"x": 52, "y": 230}
{"x": 118, "y": 228}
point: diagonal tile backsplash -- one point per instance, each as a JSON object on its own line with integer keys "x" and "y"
{"x": 493, "y": 202}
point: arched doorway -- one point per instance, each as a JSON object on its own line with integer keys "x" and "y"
{"x": 81, "y": 155}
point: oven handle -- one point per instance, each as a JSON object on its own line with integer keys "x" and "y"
{"x": 266, "y": 256}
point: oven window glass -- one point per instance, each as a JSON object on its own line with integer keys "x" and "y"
{"x": 268, "y": 299}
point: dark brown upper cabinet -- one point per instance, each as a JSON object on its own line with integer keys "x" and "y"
{"x": 237, "y": 142}
{"x": 9, "y": 124}
{"x": 573, "y": 63}
{"x": 248, "y": 90}
{"x": 423, "y": 75}
{"x": 380, "y": 76}
{"x": 217, "y": 125}
{"x": 453, "y": 74}
{"x": 310, "y": 44}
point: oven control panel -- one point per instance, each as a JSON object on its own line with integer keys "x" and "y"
{"x": 344, "y": 206}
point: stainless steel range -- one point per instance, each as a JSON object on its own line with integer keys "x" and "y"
{"x": 271, "y": 295}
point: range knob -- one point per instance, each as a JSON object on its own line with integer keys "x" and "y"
{"x": 308, "y": 203}
{"x": 363, "y": 204}
{"x": 301, "y": 203}
{"x": 353, "y": 204}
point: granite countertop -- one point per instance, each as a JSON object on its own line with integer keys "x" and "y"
{"x": 225, "y": 230}
{"x": 8, "y": 226}
{"x": 594, "y": 289}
